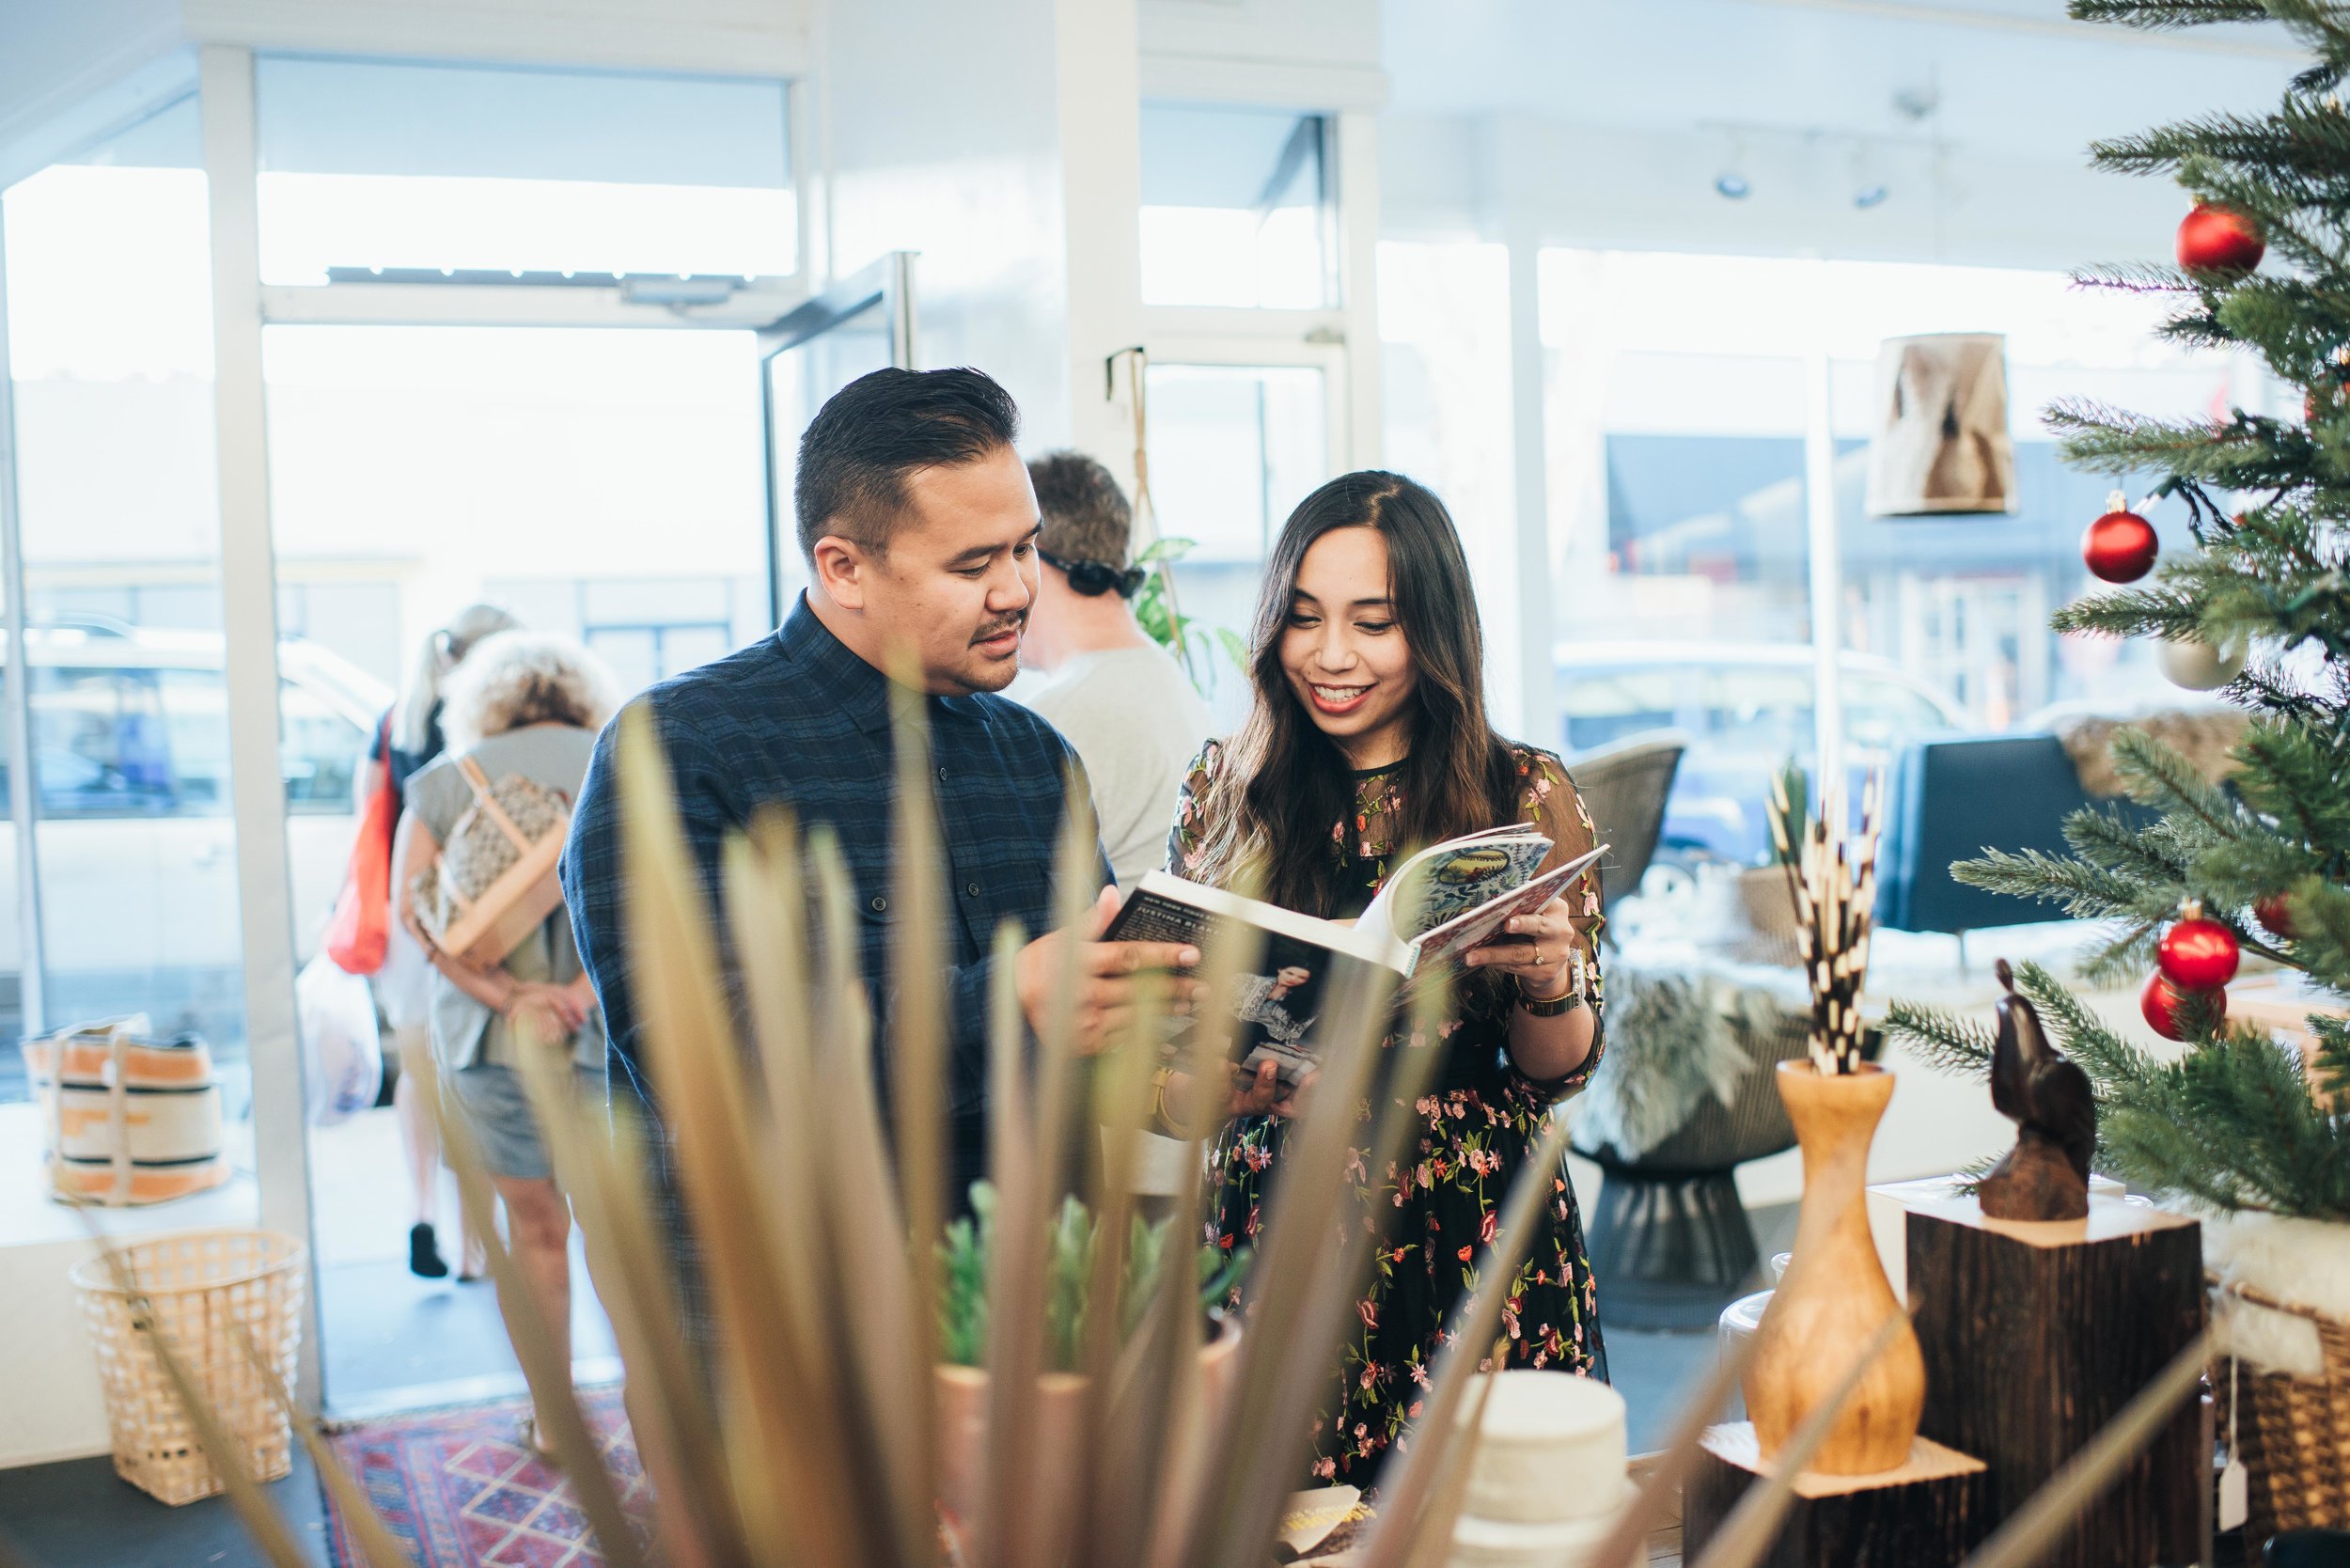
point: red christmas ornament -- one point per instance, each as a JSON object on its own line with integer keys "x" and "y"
{"x": 2219, "y": 243}
{"x": 2162, "y": 1004}
{"x": 2197, "y": 953}
{"x": 2120, "y": 546}
{"x": 2275, "y": 915}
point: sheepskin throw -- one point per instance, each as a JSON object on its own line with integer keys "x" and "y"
{"x": 2302, "y": 1261}
{"x": 1672, "y": 1037}
{"x": 2201, "y": 735}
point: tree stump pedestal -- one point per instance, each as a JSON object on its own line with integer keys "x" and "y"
{"x": 1930, "y": 1513}
{"x": 2036, "y": 1335}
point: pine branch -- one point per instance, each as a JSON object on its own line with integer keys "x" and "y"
{"x": 2159, "y": 15}
{"x": 2246, "y": 452}
{"x": 2276, "y": 198}
{"x": 2295, "y": 777}
{"x": 2109, "y": 1061}
{"x": 2321, "y": 923}
{"x": 2319, "y": 23}
{"x": 2159, "y": 611}
{"x": 2296, "y": 322}
{"x": 2155, "y": 774}
{"x": 2246, "y": 1091}
{"x": 2120, "y": 958}
{"x": 2136, "y": 277}
{"x": 2303, "y": 138}
{"x": 2107, "y": 838}
{"x": 2331, "y": 1065}
{"x": 1941, "y": 1039}
{"x": 2086, "y": 892}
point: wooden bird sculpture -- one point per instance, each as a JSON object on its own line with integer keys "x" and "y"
{"x": 2045, "y": 1176}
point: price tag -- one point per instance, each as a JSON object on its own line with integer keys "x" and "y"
{"x": 2236, "y": 1503}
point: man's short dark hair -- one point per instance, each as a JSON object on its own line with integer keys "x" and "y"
{"x": 857, "y": 451}
{"x": 1086, "y": 516}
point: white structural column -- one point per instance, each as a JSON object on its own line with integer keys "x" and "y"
{"x": 250, "y": 610}
{"x": 1536, "y": 719}
{"x": 1098, "y": 82}
{"x": 1358, "y": 277}
{"x": 22, "y": 800}
{"x": 1827, "y": 574}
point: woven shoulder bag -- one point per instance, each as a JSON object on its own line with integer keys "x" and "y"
{"x": 494, "y": 882}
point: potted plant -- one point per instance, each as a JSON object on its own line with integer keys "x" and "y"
{"x": 967, "y": 1264}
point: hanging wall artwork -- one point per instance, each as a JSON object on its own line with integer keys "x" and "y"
{"x": 1941, "y": 445}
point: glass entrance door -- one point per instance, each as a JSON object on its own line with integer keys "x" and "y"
{"x": 863, "y": 324}
{"x": 602, "y": 484}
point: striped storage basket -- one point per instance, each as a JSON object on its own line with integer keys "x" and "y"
{"x": 128, "y": 1119}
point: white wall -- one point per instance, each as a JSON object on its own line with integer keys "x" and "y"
{"x": 738, "y": 37}
{"x": 69, "y": 74}
{"x": 1002, "y": 142}
{"x": 1653, "y": 189}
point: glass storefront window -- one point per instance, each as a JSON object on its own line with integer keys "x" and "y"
{"x": 1236, "y": 208}
{"x": 369, "y": 164}
{"x": 1233, "y": 449}
{"x": 1676, "y": 400}
{"x": 110, "y": 328}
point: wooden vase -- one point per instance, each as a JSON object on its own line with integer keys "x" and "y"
{"x": 1835, "y": 1294}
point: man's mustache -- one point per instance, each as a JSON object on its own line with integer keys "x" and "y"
{"x": 986, "y": 633}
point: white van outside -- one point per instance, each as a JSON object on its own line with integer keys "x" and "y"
{"x": 136, "y": 837}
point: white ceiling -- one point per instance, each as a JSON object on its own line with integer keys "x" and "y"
{"x": 2014, "y": 78}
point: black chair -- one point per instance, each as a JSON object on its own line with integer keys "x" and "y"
{"x": 1625, "y": 786}
{"x": 1950, "y": 798}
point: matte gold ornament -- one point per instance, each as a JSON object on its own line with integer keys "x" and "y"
{"x": 2198, "y": 666}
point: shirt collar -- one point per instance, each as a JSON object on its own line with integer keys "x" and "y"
{"x": 861, "y": 691}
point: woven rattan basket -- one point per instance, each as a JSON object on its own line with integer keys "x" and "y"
{"x": 2293, "y": 1432}
{"x": 201, "y": 1288}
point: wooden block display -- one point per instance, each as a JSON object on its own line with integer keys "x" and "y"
{"x": 1929, "y": 1513}
{"x": 2036, "y": 1335}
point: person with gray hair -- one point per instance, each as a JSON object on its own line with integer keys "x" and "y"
{"x": 407, "y": 738}
{"x": 1119, "y": 699}
{"x": 530, "y": 705}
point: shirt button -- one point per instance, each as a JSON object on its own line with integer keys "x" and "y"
{"x": 941, "y": 776}
{"x": 880, "y": 904}
{"x": 973, "y": 889}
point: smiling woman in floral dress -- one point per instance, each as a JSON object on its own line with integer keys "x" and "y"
{"x": 1368, "y": 739}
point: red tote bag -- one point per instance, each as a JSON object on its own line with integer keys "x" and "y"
{"x": 361, "y": 924}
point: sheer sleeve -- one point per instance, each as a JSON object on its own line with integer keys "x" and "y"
{"x": 1548, "y": 799}
{"x": 1187, "y": 840}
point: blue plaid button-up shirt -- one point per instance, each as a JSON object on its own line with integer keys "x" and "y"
{"x": 798, "y": 719}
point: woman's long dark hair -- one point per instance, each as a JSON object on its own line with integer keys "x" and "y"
{"x": 1294, "y": 786}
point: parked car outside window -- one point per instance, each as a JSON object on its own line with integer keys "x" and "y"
{"x": 1747, "y": 708}
{"x": 138, "y": 838}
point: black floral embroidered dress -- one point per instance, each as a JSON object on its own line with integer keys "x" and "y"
{"x": 1479, "y": 1122}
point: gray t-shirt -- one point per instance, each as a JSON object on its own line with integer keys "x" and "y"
{"x": 1137, "y": 723}
{"x": 465, "y": 1032}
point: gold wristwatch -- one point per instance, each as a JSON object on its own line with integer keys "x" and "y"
{"x": 1577, "y": 992}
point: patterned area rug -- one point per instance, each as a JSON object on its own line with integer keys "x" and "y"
{"x": 460, "y": 1490}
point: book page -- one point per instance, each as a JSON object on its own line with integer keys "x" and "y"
{"x": 1440, "y": 884}
{"x": 1447, "y": 941}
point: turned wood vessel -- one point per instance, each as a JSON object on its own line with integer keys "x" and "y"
{"x": 1835, "y": 1294}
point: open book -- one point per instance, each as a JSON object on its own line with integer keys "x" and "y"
{"x": 1434, "y": 908}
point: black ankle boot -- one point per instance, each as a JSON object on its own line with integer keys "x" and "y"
{"x": 424, "y": 1254}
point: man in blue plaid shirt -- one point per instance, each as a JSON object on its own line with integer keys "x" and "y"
{"x": 920, "y": 528}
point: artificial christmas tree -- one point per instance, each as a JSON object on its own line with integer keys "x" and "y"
{"x": 2238, "y": 1125}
